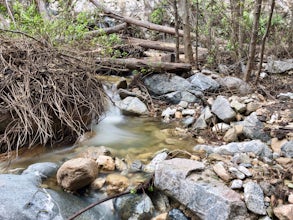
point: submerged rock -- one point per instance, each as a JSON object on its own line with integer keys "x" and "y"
{"x": 207, "y": 200}
{"x": 77, "y": 173}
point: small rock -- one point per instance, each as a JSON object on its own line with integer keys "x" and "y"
{"x": 116, "y": 183}
{"x": 284, "y": 161}
{"x": 245, "y": 171}
{"x": 239, "y": 107}
{"x": 221, "y": 171}
{"x": 183, "y": 104}
{"x": 162, "y": 216}
{"x": 176, "y": 214}
{"x": 188, "y": 97}
{"x": 178, "y": 115}
{"x": 120, "y": 164}
{"x": 241, "y": 158}
{"x": 77, "y": 173}
{"x": 169, "y": 112}
{"x": 254, "y": 198}
{"x": 284, "y": 212}
{"x": 237, "y": 173}
{"x": 136, "y": 166}
{"x": 252, "y": 107}
{"x": 188, "y": 112}
{"x": 98, "y": 183}
{"x": 236, "y": 184}
{"x": 200, "y": 123}
{"x": 188, "y": 121}
{"x": 276, "y": 144}
{"x": 220, "y": 128}
{"x": 285, "y": 96}
{"x": 106, "y": 163}
{"x": 231, "y": 135}
{"x": 222, "y": 109}
{"x": 290, "y": 198}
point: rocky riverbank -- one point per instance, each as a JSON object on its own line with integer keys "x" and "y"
{"x": 241, "y": 167}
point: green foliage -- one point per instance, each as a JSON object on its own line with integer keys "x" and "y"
{"x": 108, "y": 43}
{"x": 157, "y": 16}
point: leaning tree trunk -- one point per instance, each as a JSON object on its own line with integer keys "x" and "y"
{"x": 176, "y": 30}
{"x": 264, "y": 40}
{"x": 252, "y": 46}
{"x": 187, "y": 37}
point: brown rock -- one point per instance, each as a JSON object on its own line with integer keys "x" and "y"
{"x": 252, "y": 107}
{"x": 277, "y": 144}
{"x": 106, "y": 163}
{"x": 116, "y": 183}
{"x": 284, "y": 160}
{"x": 221, "y": 171}
{"x": 231, "y": 135}
{"x": 77, "y": 173}
{"x": 120, "y": 164}
{"x": 162, "y": 216}
{"x": 178, "y": 115}
{"x": 284, "y": 212}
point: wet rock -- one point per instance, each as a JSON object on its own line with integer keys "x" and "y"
{"x": 236, "y": 184}
{"x": 77, "y": 173}
{"x": 157, "y": 159}
{"x": 279, "y": 66}
{"x": 176, "y": 214}
{"x": 221, "y": 171}
{"x": 284, "y": 212}
{"x": 134, "y": 206}
{"x": 105, "y": 163}
{"x": 287, "y": 149}
{"x": 222, "y": 109}
{"x": 254, "y": 129}
{"x": 203, "y": 83}
{"x": 220, "y": 128}
{"x": 116, "y": 183}
{"x": 44, "y": 170}
{"x": 120, "y": 164}
{"x": 254, "y": 198}
{"x": 98, "y": 183}
{"x": 234, "y": 84}
{"x": 231, "y": 135}
{"x": 235, "y": 172}
{"x": 207, "y": 200}
{"x": 133, "y": 106}
{"x": 160, "y": 84}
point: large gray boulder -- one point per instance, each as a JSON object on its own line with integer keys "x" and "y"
{"x": 160, "y": 84}
{"x": 203, "y": 83}
{"x": 222, "y": 109}
{"x": 23, "y": 198}
{"x": 234, "y": 84}
{"x": 208, "y": 200}
{"x": 279, "y": 66}
{"x": 133, "y": 106}
{"x": 254, "y": 128}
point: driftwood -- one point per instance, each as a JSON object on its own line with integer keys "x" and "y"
{"x": 135, "y": 64}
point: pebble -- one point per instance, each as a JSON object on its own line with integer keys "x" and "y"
{"x": 245, "y": 171}
{"x": 236, "y": 184}
{"x": 221, "y": 171}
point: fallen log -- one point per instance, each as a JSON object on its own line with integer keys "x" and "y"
{"x": 156, "y": 66}
{"x": 109, "y": 30}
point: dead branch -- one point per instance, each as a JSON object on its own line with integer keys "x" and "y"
{"x": 109, "y": 30}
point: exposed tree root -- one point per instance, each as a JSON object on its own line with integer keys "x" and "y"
{"x": 45, "y": 95}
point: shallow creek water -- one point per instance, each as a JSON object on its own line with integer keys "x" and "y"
{"x": 126, "y": 137}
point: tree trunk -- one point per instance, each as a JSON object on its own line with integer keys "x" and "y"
{"x": 187, "y": 37}
{"x": 240, "y": 29}
{"x": 264, "y": 40}
{"x": 252, "y": 45}
{"x": 196, "y": 35}
{"x": 176, "y": 30}
{"x": 109, "y": 30}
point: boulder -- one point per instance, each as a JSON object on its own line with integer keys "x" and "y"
{"x": 208, "y": 200}
{"x": 279, "y": 66}
{"x": 134, "y": 206}
{"x": 254, "y": 198}
{"x": 160, "y": 84}
{"x": 222, "y": 109}
{"x": 235, "y": 85}
{"x": 133, "y": 106}
{"x": 77, "y": 173}
{"x": 203, "y": 83}
{"x": 254, "y": 129}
